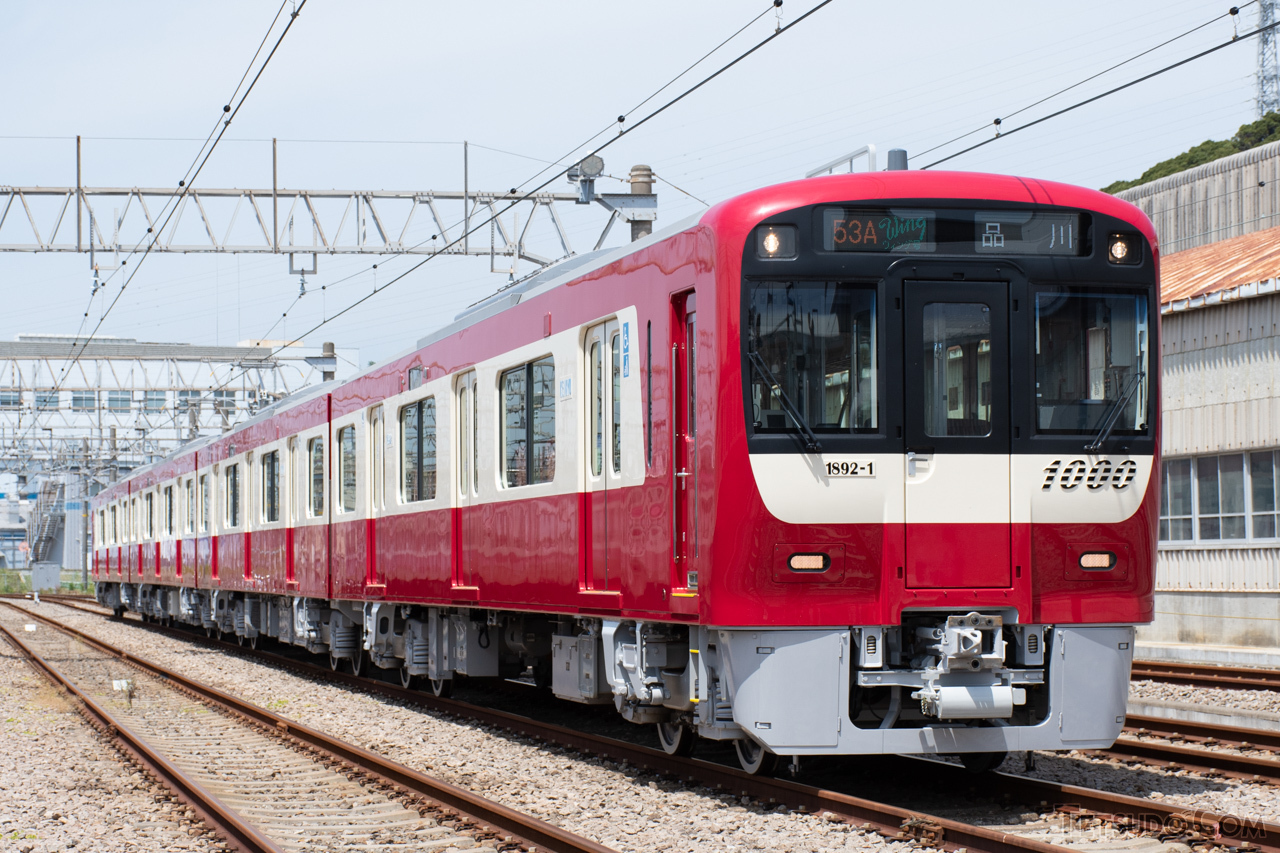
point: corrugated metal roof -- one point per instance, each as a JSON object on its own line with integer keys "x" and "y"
{"x": 1229, "y": 269}
{"x": 108, "y": 350}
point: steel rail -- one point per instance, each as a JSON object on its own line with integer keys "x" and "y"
{"x": 1205, "y": 761}
{"x": 220, "y": 818}
{"x": 527, "y": 830}
{"x": 1210, "y": 734}
{"x": 890, "y": 821}
{"x": 1203, "y": 675}
{"x": 1125, "y": 812}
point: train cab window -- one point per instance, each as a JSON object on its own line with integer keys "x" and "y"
{"x": 469, "y": 436}
{"x": 595, "y": 365}
{"x": 168, "y": 510}
{"x": 616, "y": 390}
{"x": 529, "y": 423}
{"x": 1091, "y": 363}
{"x": 315, "y": 504}
{"x": 811, "y": 355}
{"x": 957, "y": 369}
{"x": 418, "y": 451}
{"x": 190, "y": 501}
{"x": 271, "y": 486}
{"x": 347, "y": 468}
{"x": 232, "y": 475}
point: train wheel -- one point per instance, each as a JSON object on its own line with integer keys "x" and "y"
{"x": 208, "y": 632}
{"x": 407, "y": 679}
{"x": 442, "y": 687}
{"x": 357, "y": 663}
{"x": 981, "y": 762}
{"x": 253, "y": 641}
{"x": 335, "y": 664}
{"x": 239, "y": 639}
{"x": 754, "y": 758}
{"x": 676, "y": 739}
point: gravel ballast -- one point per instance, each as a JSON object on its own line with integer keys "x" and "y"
{"x": 62, "y": 787}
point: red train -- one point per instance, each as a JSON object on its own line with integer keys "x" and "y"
{"x": 855, "y": 464}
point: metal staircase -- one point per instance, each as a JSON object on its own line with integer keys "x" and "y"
{"x": 46, "y": 522}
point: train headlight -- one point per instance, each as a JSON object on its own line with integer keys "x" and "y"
{"x": 1097, "y": 561}
{"x": 776, "y": 242}
{"x": 1124, "y": 249}
{"x": 809, "y": 562}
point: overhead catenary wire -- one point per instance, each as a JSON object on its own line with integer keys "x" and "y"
{"x": 184, "y": 186}
{"x": 1235, "y": 10}
{"x": 529, "y": 193}
{"x": 1109, "y": 92}
{"x": 227, "y": 116}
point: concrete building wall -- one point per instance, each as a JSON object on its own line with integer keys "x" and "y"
{"x": 1221, "y": 374}
{"x": 1221, "y": 397}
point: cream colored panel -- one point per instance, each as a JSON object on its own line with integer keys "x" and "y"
{"x": 1064, "y": 488}
{"x": 958, "y": 488}
{"x": 797, "y": 489}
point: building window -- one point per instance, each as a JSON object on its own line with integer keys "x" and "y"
{"x": 119, "y": 401}
{"x": 271, "y": 486}
{"x": 155, "y": 401}
{"x": 529, "y": 423}
{"x": 168, "y": 510}
{"x": 10, "y": 399}
{"x": 1220, "y": 497}
{"x": 315, "y": 449}
{"x": 188, "y": 400}
{"x": 224, "y": 402}
{"x": 233, "y": 495}
{"x": 418, "y": 451}
{"x": 1227, "y": 498}
{"x": 46, "y": 400}
{"x": 84, "y": 401}
{"x": 347, "y": 468}
{"x": 1175, "y": 501}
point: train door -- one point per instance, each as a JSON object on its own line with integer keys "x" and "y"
{"x": 604, "y": 448}
{"x": 468, "y": 479}
{"x": 684, "y": 433}
{"x": 957, "y": 434}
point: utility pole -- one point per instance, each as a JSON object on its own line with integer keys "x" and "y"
{"x": 1268, "y": 72}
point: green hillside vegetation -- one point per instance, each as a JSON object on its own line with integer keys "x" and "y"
{"x": 1260, "y": 132}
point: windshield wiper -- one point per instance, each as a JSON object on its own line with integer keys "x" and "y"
{"x": 1113, "y": 414}
{"x": 810, "y": 439}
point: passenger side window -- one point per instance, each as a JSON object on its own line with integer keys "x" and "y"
{"x": 529, "y": 423}
{"x": 233, "y": 495}
{"x": 168, "y": 510}
{"x": 271, "y": 486}
{"x": 347, "y": 468}
{"x": 418, "y": 451}
{"x": 204, "y": 503}
{"x": 315, "y": 450}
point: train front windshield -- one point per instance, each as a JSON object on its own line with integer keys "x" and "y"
{"x": 1091, "y": 362}
{"x": 812, "y": 356}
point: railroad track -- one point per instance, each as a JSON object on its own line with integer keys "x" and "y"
{"x": 1074, "y": 803}
{"x": 1203, "y": 675}
{"x": 265, "y": 783}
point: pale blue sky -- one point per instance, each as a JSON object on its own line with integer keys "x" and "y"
{"x": 534, "y": 80}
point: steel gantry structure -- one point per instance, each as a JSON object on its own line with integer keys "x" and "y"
{"x": 309, "y": 223}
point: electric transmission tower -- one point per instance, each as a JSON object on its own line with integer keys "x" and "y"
{"x": 1268, "y": 74}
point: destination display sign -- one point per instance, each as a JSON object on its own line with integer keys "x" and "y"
{"x": 965, "y": 232}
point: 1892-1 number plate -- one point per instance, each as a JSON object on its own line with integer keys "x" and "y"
{"x": 851, "y": 469}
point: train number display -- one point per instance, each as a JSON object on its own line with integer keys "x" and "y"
{"x": 851, "y": 469}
